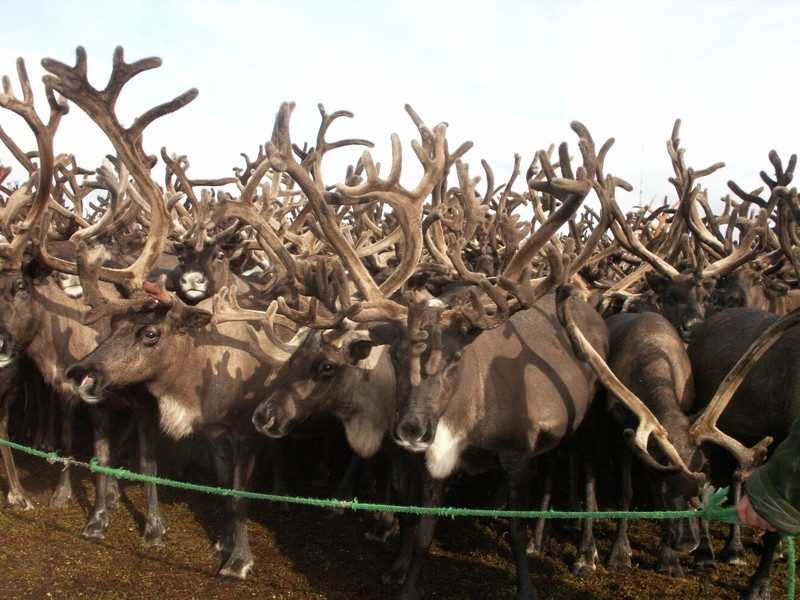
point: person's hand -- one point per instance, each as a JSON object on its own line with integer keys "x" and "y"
{"x": 748, "y": 515}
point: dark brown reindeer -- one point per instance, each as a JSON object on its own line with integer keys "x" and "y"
{"x": 204, "y": 252}
{"x": 649, "y": 358}
{"x": 680, "y": 284}
{"x": 336, "y": 372}
{"x": 760, "y": 283}
{"x": 204, "y": 377}
{"x": 11, "y": 384}
{"x": 205, "y": 380}
{"x": 745, "y": 370}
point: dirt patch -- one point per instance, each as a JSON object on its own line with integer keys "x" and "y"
{"x": 306, "y": 553}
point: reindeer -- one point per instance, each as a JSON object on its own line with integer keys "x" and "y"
{"x": 681, "y": 288}
{"x": 649, "y": 358}
{"x": 453, "y": 364}
{"x": 745, "y": 375}
{"x": 12, "y": 371}
{"x": 335, "y": 372}
{"x": 204, "y": 377}
{"x": 44, "y": 323}
{"x": 762, "y": 283}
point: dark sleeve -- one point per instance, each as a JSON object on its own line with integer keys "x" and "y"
{"x": 774, "y": 488}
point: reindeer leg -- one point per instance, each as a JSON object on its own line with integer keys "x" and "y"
{"x": 704, "y": 555}
{"x": 147, "y": 428}
{"x": 733, "y": 551}
{"x": 405, "y": 488}
{"x": 677, "y": 535}
{"x": 518, "y": 478}
{"x": 104, "y": 499}
{"x": 433, "y": 492}
{"x": 758, "y": 588}
{"x": 667, "y": 562}
{"x": 383, "y": 528}
{"x": 16, "y": 496}
{"x": 539, "y": 537}
{"x": 345, "y": 490}
{"x": 62, "y": 494}
{"x": 408, "y": 529}
{"x": 619, "y": 559}
{"x": 42, "y": 409}
{"x": 223, "y": 459}
{"x": 277, "y": 459}
{"x": 587, "y": 552}
{"x": 240, "y": 561}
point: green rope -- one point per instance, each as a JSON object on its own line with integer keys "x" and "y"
{"x": 712, "y": 507}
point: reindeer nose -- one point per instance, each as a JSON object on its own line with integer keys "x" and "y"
{"x": 688, "y": 325}
{"x": 272, "y": 421}
{"x": 261, "y": 419}
{"x": 85, "y": 380}
{"x": 193, "y": 277}
{"x": 413, "y": 431}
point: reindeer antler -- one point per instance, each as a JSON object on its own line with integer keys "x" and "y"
{"x": 705, "y": 426}
{"x": 649, "y": 425}
{"x": 11, "y": 254}
{"x": 73, "y": 84}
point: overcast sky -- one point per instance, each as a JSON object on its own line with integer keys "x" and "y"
{"x": 509, "y": 76}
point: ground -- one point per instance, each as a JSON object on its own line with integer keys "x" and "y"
{"x": 306, "y": 553}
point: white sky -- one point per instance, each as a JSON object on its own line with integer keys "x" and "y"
{"x": 509, "y": 76}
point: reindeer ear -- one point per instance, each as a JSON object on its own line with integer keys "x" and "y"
{"x": 358, "y": 350}
{"x": 187, "y": 317}
{"x": 657, "y": 282}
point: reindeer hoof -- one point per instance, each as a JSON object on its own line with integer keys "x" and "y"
{"x": 154, "y": 537}
{"x": 92, "y": 535}
{"x": 20, "y": 501}
{"x": 235, "y": 570}
{"x": 619, "y": 564}
{"x": 96, "y": 527}
{"x": 380, "y": 532}
{"x": 61, "y": 497}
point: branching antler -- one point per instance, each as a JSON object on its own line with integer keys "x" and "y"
{"x": 705, "y": 426}
{"x": 73, "y": 84}
{"x": 649, "y": 426}
{"x": 11, "y": 254}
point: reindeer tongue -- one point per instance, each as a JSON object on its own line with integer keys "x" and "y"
{"x": 157, "y": 291}
{"x": 87, "y": 382}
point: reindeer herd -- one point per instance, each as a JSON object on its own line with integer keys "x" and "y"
{"x": 449, "y": 326}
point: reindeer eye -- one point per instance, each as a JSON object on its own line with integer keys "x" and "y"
{"x": 150, "y": 336}
{"x": 19, "y": 286}
{"x": 220, "y": 256}
{"x": 326, "y": 369}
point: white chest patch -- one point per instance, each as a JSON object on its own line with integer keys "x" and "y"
{"x": 364, "y": 436}
{"x": 176, "y": 419}
{"x": 443, "y": 455}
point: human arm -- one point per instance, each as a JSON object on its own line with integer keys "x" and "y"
{"x": 772, "y": 492}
